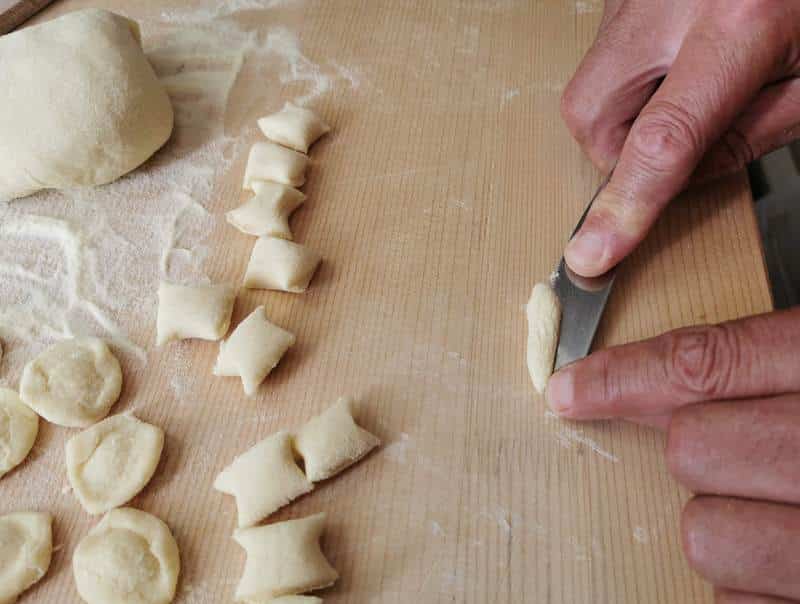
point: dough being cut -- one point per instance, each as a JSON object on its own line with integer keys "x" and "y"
{"x": 129, "y": 557}
{"x": 267, "y": 214}
{"x": 79, "y": 104}
{"x": 294, "y": 127}
{"x": 281, "y": 265}
{"x": 18, "y": 428}
{"x": 283, "y": 558}
{"x": 263, "y": 479}
{"x": 26, "y": 544}
{"x": 73, "y": 383}
{"x": 109, "y": 463}
{"x": 268, "y": 161}
{"x": 332, "y": 441}
{"x": 253, "y": 350}
{"x": 193, "y": 311}
{"x": 544, "y": 318}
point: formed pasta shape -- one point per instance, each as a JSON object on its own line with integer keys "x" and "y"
{"x": 253, "y": 350}
{"x": 109, "y": 463}
{"x": 263, "y": 479}
{"x": 193, "y": 311}
{"x": 283, "y": 558}
{"x": 267, "y": 213}
{"x": 26, "y": 545}
{"x": 293, "y": 126}
{"x": 281, "y": 265}
{"x": 544, "y": 318}
{"x": 269, "y": 161}
{"x": 19, "y": 426}
{"x": 332, "y": 441}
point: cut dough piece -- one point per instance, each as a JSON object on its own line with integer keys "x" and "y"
{"x": 73, "y": 383}
{"x": 193, "y": 311}
{"x": 18, "y": 428}
{"x": 129, "y": 557}
{"x": 109, "y": 463}
{"x": 332, "y": 441}
{"x": 293, "y": 126}
{"x": 268, "y": 161}
{"x": 296, "y": 600}
{"x": 253, "y": 350}
{"x": 544, "y": 319}
{"x": 263, "y": 479}
{"x": 267, "y": 214}
{"x": 283, "y": 558}
{"x": 280, "y": 264}
{"x": 81, "y": 104}
{"x": 26, "y": 544}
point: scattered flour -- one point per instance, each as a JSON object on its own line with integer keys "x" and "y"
{"x": 569, "y": 437}
{"x": 436, "y": 529}
{"x": 398, "y": 450}
{"x": 640, "y": 535}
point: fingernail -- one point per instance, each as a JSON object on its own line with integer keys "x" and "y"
{"x": 560, "y": 391}
{"x": 587, "y": 253}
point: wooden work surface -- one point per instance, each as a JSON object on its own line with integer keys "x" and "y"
{"x": 446, "y": 190}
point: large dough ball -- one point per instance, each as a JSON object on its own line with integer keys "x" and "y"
{"x": 79, "y": 104}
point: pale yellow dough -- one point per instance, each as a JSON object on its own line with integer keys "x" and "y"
{"x": 18, "y": 428}
{"x": 293, "y": 126}
{"x": 263, "y": 479}
{"x": 544, "y": 318}
{"x": 283, "y": 558}
{"x": 281, "y": 265}
{"x": 268, "y": 161}
{"x": 296, "y": 600}
{"x": 26, "y": 544}
{"x": 332, "y": 441}
{"x": 267, "y": 213}
{"x": 129, "y": 557}
{"x": 109, "y": 463}
{"x": 73, "y": 383}
{"x": 193, "y": 311}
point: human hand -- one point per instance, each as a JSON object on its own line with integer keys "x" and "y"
{"x": 730, "y": 395}
{"x": 729, "y": 94}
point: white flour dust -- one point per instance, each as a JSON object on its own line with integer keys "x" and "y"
{"x": 570, "y": 437}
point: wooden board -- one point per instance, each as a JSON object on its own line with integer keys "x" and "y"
{"x": 446, "y": 190}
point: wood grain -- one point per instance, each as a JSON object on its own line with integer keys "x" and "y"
{"x": 446, "y": 190}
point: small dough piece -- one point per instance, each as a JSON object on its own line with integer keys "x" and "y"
{"x": 268, "y": 161}
{"x": 129, "y": 557}
{"x": 73, "y": 383}
{"x": 281, "y": 265}
{"x": 296, "y": 600}
{"x": 544, "y": 319}
{"x": 332, "y": 441}
{"x": 193, "y": 311}
{"x": 26, "y": 544}
{"x": 263, "y": 479}
{"x": 109, "y": 463}
{"x": 267, "y": 214}
{"x": 18, "y": 428}
{"x": 253, "y": 350}
{"x": 293, "y": 126}
{"x": 283, "y": 558}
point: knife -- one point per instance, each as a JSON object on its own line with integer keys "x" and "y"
{"x": 583, "y": 301}
{"x": 15, "y": 12}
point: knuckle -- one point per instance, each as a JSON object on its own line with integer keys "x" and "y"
{"x": 700, "y": 361}
{"x": 739, "y": 150}
{"x": 694, "y": 533}
{"x": 667, "y": 136}
{"x": 683, "y": 437}
{"x": 576, "y": 110}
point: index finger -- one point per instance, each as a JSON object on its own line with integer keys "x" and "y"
{"x": 756, "y": 356}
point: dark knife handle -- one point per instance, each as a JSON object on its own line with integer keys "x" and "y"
{"x": 16, "y": 12}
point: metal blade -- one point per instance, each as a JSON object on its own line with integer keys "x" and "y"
{"x": 583, "y": 301}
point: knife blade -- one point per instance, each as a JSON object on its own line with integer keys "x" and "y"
{"x": 583, "y": 301}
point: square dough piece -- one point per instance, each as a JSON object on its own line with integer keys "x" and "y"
{"x": 267, "y": 214}
{"x": 281, "y": 265}
{"x": 193, "y": 311}
{"x": 293, "y": 126}
{"x": 263, "y": 479}
{"x": 332, "y": 441}
{"x": 282, "y": 559}
{"x": 253, "y": 350}
{"x": 268, "y": 161}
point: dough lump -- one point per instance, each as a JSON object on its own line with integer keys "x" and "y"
{"x": 332, "y": 441}
{"x": 296, "y": 600}
{"x": 18, "y": 428}
{"x": 193, "y": 311}
{"x": 26, "y": 544}
{"x": 282, "y": 559}
{"x": 109, "y": 463}
{"x": 293, "y": 126}
{"x": 267, "y": 214}
{"x": 544, "y": 318}
{"x": 268, "y": 161}
{"x": 263, "y": 479}
{"x": 281, "y": 265}
{"x": 129, "y": 557}
{"x": 79, "y": 104}
{"x": 73, "y": 383}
